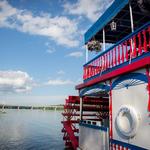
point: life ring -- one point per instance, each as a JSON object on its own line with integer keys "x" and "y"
{"x": 127, "y": 121}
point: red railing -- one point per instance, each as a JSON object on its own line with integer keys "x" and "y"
{"x": 132, "y": 46}
{"x": 119, "y": 145}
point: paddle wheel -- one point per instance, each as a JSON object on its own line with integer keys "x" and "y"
{"x": 70, "y": 121}
{"x": 94, "y": 110}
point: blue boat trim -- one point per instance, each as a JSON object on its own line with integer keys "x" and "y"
{"x": 131, "y": 79}
{"x": 99, "y": 86}
{"x": 130, "y": 146}
{"x": 93, "y": 126}
{"x": 109, "y": 14}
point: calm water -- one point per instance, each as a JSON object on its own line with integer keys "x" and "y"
{"x": 30, "y": 130}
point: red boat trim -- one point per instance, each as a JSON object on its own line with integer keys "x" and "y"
{"x": 110, "y": 112}
{"x": 148, "y": 87}
{"x": 145, "y": 61}
{"x": 126, "y": 145}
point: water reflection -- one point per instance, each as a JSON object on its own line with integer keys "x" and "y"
{"x": 30, "y": 130}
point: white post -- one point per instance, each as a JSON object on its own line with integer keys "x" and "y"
{"x": 132, "y": 29}
{"x": 131, "y": 16}
{"x": 104, "y": 48}
{"x": 81, "y": 109}
{"x": 87, "y": 54}
{"x": 3, "y": 108}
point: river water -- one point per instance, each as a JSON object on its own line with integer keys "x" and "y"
{"x": 31, "y": 130}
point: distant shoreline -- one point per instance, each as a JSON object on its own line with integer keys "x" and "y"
{"x": 52, "y": 107}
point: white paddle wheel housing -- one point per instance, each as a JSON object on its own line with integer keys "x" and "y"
{"x": 131, "y": 91}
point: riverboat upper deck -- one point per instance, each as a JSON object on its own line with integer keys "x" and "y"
{"x": 130, "y": 43}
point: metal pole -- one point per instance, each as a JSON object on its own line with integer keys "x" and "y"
{"x": 81, "y": 110}
{"x": 104, "y": 39}
{"x": 131, "y": 16}
{"x": 132, "y": 28}
{"x": 87, "y": 54}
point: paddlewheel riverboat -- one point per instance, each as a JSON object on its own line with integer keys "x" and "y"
{"x": 112, "y": 110}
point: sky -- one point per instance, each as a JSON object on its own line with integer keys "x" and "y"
{"x": 42, "y": 48}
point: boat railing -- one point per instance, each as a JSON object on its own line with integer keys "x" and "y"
{"x": 131, "y": 47}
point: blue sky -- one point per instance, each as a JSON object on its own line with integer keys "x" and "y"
{"x": 42, "y": 48}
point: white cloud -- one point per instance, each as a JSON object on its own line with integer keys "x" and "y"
{"x": 50, "y": 51}
{"x": 91, "y": 9}
{"x": 75, "y": 54}
{"x": 60, "y": 29}
{"x": 59, "y": 82}
{"x": 15, "y": 82}
{"x": 61, "y": 72}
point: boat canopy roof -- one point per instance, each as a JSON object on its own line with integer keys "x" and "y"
{"x": 120, "y": 14}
